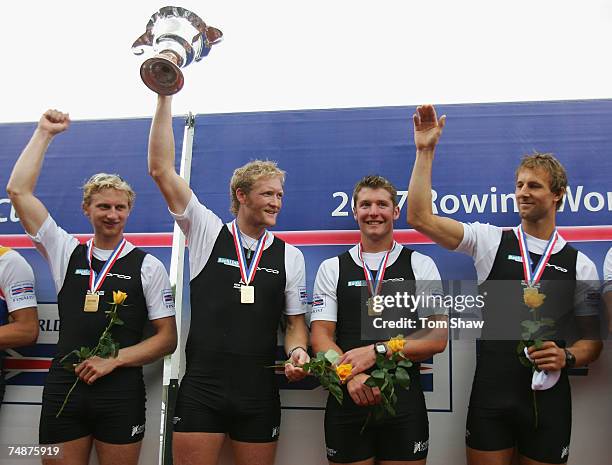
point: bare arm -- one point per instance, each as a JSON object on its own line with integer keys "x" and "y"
{"x": 296, "y": 344}
{"x": 296, "y": 334}
{"x": 586, "y": 350}
{"x": 22, "y": 329}
{"x": 32, "y": 213}
{"x": 426, "y": 343}
{"x": 322, "y": 336}
{"x": 175, "y": 189}
{"x": 163, "y": 342}
{"x": 427, "y": 131}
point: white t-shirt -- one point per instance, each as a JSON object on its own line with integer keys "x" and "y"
{"x": 481, "y": 241}
{"x": 16, "y": 282}
{"x": 201, "y": 228}
{"x": 426, "y": 276}
{"x": 56, "y": 245}
{"x": 607, "y": 272}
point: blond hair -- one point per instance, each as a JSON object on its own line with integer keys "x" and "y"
{"x": 247, "y": 175}
{"x": 548, "y": 163}
{"x": 375, "y": 182}
{"x": 101, "y": 181}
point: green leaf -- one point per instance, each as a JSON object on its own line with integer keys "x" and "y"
{"x": 402, "y": 377}
{"x": 336, "y": 391}
{"x": 371, "y": 382}
{"x": 405, "y": 363}
{"x": 331, "y": 356}
{"x": 84, "y": 353}
{"x": 119, "y": 322}
{"x": 387, "y": 364}
{"x": 378, "y": 374}
{"x": 68, "y": 366}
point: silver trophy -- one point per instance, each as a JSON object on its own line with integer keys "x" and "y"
{"x": 178, "y": 37}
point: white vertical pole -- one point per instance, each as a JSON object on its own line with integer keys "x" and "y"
{"x": 172, "y": 363}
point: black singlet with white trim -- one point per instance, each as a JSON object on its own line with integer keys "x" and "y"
{"x": 504, "y": 306}
{"x": 79, "y": 328}
{"x": 351, "y": 303}
{"x": 220, "y": 324}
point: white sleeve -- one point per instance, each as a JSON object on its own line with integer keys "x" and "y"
{"x": 56, "y": 246}
{"x": 324, "y": 297}
{"x": 587, "y": 294}
{"x": 17, "y": 282}
{"x": 201, "y": 228}
{"x": 428, "y": 283}
{"x": 156, "y": 288}
{"x": 481, "y": 241}
{"x": 607, "y": 272}
{"x": 295, "y": 287}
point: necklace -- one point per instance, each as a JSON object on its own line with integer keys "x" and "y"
{"x": 249, "y": 245}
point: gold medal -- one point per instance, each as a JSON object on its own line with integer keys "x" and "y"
{"x": 247, "y": 294}
{"x": 370, "y": 305}
{"x": 91, "y": 302}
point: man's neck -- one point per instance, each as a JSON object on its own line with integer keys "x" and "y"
{"x": 373, "y": 246}
{"x": 107, "y": 243}
{"x": 249, "y": 229}
{"x": 542, "y": 229}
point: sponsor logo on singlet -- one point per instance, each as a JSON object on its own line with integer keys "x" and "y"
{"x": 362, "y": 282}
{"x": 85, "y": 272}
{"x": 519, "y": 259}
{"x": 331, "y": 452}
{"x": 234, "y": 263}
{"x": 275, "y": 432}
{"x": 564, "y": 452}
{"x": 420, "y": 446}
{"x": 138, "y": 429}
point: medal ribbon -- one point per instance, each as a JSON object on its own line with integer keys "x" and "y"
{"x": 96, "y": 280}
{"x": 374, "y": 284}
{"x": 247, "y": 275}
{"x": 532, "y": 276}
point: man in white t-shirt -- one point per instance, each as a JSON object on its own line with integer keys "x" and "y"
{"x": 338, "y": 323}
{"x": 243, "y": 279}
{"x": 18, "y": 317}
{"x": 106, "y": 408}
{"x": 501, "y": 415}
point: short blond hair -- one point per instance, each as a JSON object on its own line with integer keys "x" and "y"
{"x": 547, "y": 162}
{"x": 247, "y": 175}
{"x": 375, "y": 181}
{"x": 101, "y": 181}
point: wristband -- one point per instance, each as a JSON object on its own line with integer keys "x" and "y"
{"x": 296, "y": 347}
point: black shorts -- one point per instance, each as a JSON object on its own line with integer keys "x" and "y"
{"x": 503, "y": 416}
{"x": 112, "y": 416}
{"x": 204, "y": 406}
{"x": 401, "y": 437}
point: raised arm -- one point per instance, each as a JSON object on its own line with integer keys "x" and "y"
{"x": 32, "y": 213}
{"x": 427, "y": 131}
{"x": 175, "y": 189}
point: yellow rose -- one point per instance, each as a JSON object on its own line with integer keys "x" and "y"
{"x": 344, "y": 371}
{"x": 533, "y": 298}
{"x": 119, "y": 297}
{"x": 396, "y": 344}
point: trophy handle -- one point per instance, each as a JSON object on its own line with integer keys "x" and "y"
{"x": 145, "y": 40}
